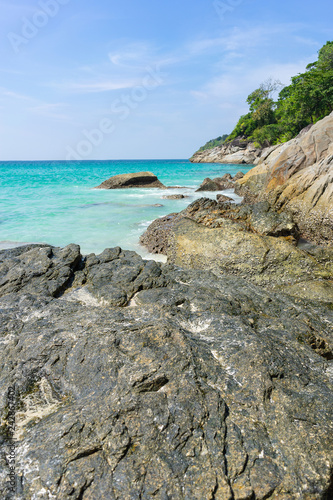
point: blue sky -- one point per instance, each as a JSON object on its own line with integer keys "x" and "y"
{"x": 142, "y": 79}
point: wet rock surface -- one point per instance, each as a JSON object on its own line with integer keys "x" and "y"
{"x": 137, "y": 380}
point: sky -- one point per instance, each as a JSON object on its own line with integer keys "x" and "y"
{"x": 146, "y": 79}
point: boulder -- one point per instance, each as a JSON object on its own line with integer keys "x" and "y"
{"x": 217, "y": 184}
{"x": 221, "y": 198}
{"x": 298, "y": 176}
{"x": 132, "y": 379}
{"x": 238, "y": 176}
{"x": 136, "y": 180}
{"x": 208, "y": 185}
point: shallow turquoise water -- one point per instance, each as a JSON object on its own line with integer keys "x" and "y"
{"x": 54, "y": 202}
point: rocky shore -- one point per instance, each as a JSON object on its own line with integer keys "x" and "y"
{"x": 237, "y": 151}
{"x": 208, "y": 377}
{"x": 135, "y": 379}
{"x": 298, "y": 177}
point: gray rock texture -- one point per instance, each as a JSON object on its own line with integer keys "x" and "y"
{"x": 258, "y": 218}
{"x": 238, "y": 151}
{"x": 220, "y": 183}
{"x": 221, "y": 198}
{"x": 136, "y": 180}
{"x": 136, "y": 380}
{"x": 298, "y": 176}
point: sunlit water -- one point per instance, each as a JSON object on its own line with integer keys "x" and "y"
{"x": 56, "y": 203}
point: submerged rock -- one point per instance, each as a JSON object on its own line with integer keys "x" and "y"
{"x": 174, "y": 196}
{"x": 140, "y": 380}
{"x": 137, "y": 180}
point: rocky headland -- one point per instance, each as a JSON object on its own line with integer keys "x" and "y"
{"x": 208, "y": 377}
{"x": 297, "y": 177}
{"x": 237, "y": 151}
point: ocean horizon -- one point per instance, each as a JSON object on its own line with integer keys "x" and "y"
{"x": 55, "y": 202}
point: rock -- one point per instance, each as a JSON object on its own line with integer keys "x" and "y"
{"x": 155, "y": 238}
{"x": 137, "y": 180}
{"x": 238, "y": 151}
{"x": 264, "y": 260}
{"x": 224, "y": 183}
{"x": 298, "y": 177}
{"x": 238, "y": 176}
{"x": 217, "y": 184}
{"x": 174, "y": 197}
{"x": 220, "y": 183}
{"x": 208, "y": 185}
{"x": 259, "y": 218}
{"x": 221, "y": 198}
{"x": 140, "y": 380}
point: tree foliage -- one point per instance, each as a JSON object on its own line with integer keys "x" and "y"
{"x": 214, "y": 142}
{"x": 306, "y": 100}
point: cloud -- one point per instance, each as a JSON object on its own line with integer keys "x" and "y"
{"x": 50, "y": 110}
{"x": 15, "y": 95}
{"x": 99, "y": 86}
{"x": 36, "y": 106}
{"x": 236, "y": 83}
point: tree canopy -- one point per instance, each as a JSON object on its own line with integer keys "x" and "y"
{"x": 306, "y": 100}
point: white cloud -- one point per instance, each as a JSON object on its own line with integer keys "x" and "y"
{"x": 238, "y": 81}
{"x": 99, "y": 86}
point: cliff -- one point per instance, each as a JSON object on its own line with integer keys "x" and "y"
{"x": 298, "y": 177}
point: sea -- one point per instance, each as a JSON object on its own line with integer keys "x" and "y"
{"x": 55, "y": 202}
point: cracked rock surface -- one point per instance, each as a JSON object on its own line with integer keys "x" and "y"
{"x": 141, "y": 380}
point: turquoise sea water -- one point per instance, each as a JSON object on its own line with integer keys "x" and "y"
{"x": 54, "y": 202}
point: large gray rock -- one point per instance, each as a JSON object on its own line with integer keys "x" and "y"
{"x": 140, "y": 380}
{"x": 272, "y": 262}
{"x": 219, "y": 183}
{"x": 298, "y": 176}
{"x": 259, "y": 218}
{"x": 136, "y": 180}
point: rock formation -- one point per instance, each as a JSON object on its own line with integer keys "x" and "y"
{"x": 220, "y": 183}
{"x": 251, "y": 241}
{"x": 298, "y": 176}
{"x": 140, "y": 380}
{"x": 136, "y": 180}
{"x": 237, "y": 151}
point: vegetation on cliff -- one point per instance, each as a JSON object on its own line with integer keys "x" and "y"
{"x": 308, "y": 99}
{"x": 213, "y": 143}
